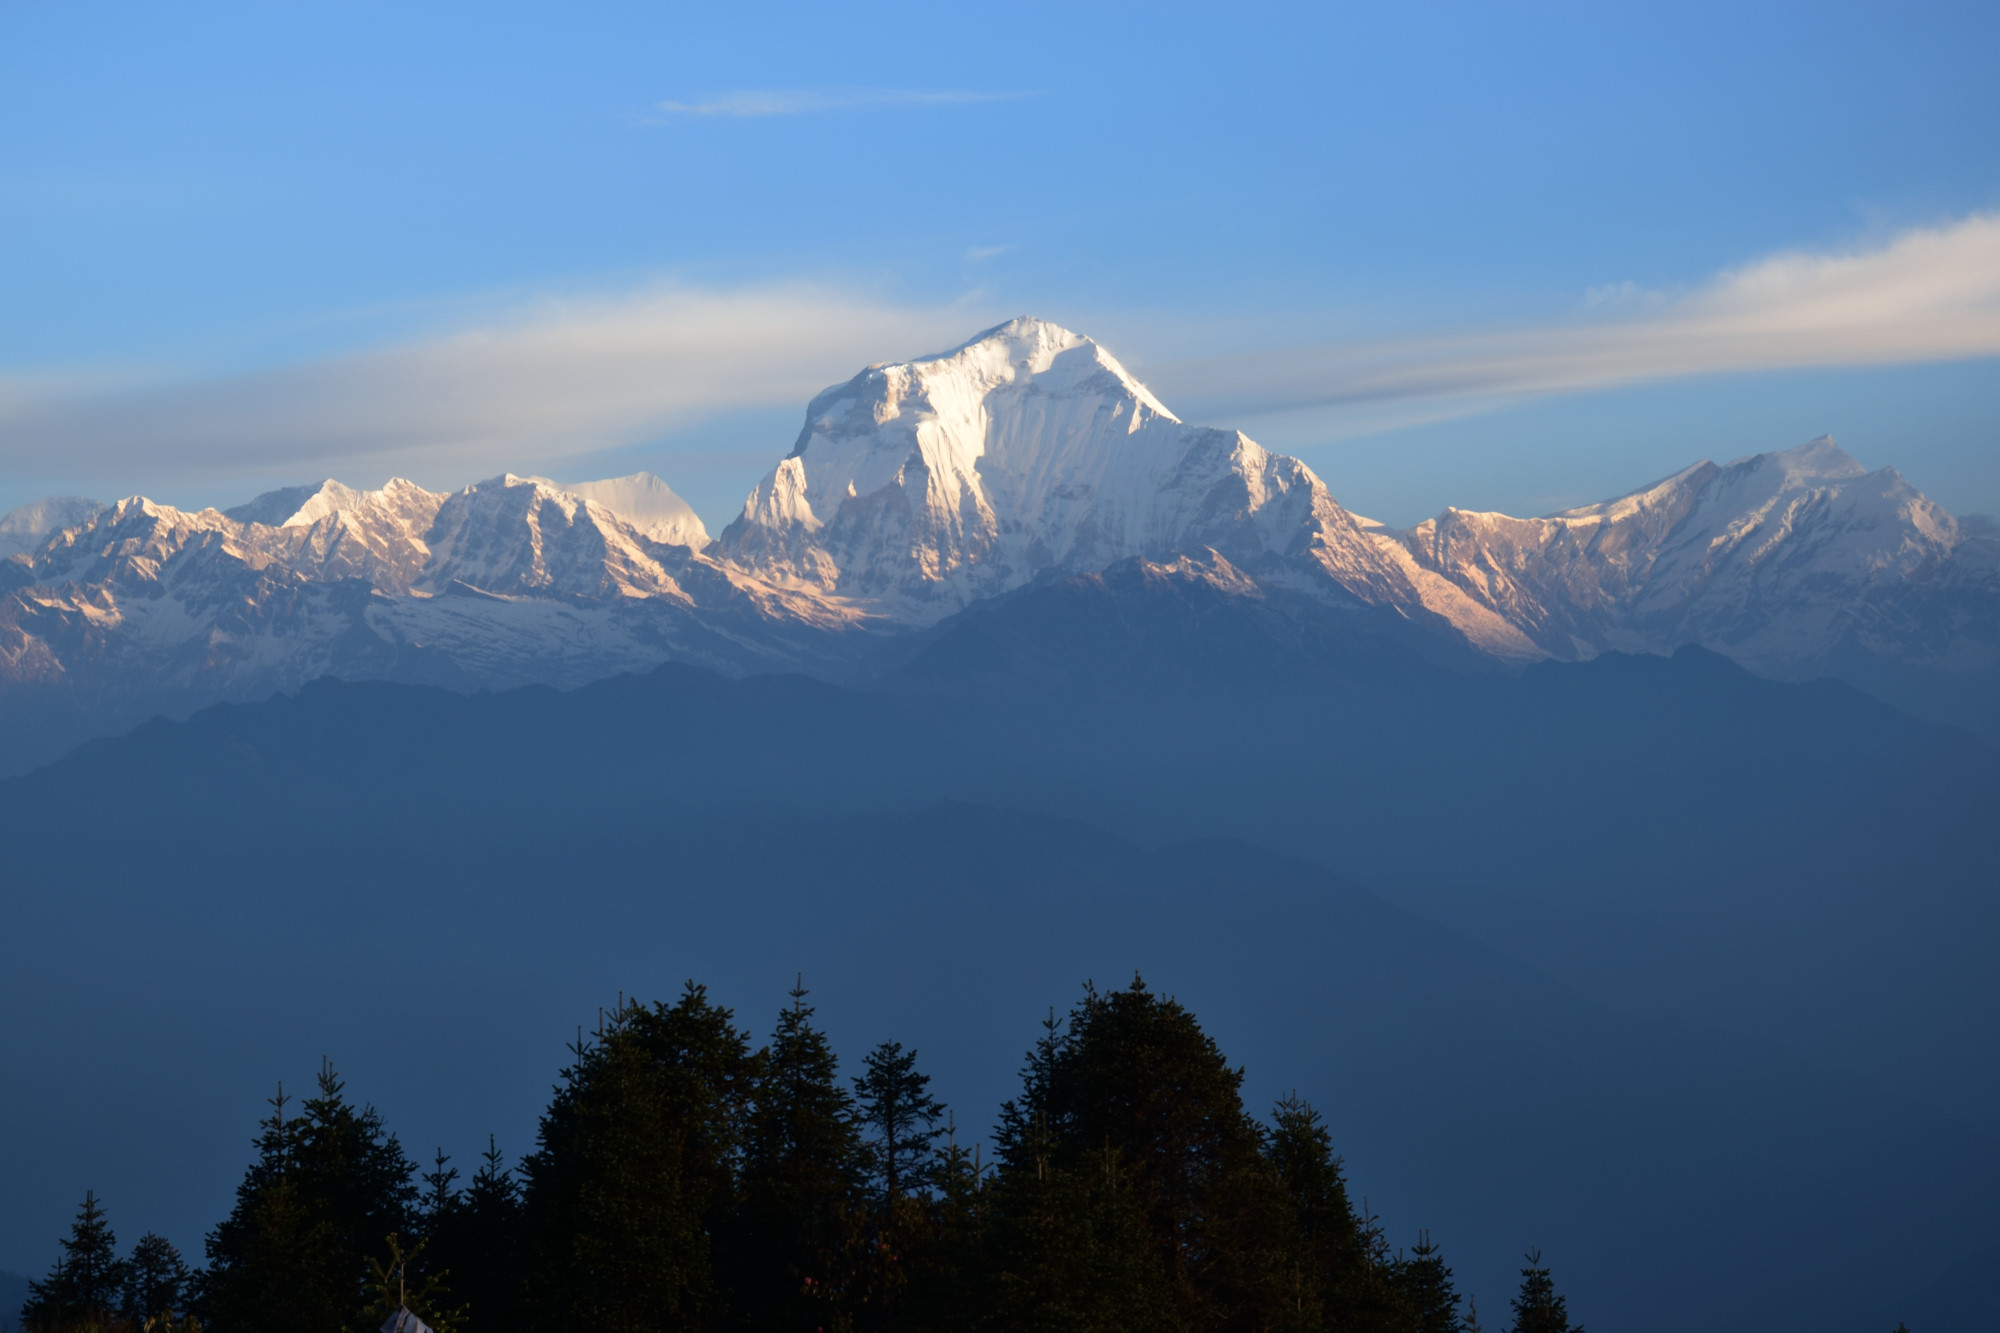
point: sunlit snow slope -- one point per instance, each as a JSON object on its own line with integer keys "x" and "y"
{"x": 922, "y": 488}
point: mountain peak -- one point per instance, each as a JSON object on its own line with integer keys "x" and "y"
{"x": 1817, "y": 460}
{"x": 1025, "y": 355}
{"x": 1032, "y": 347}
{"x": 648, "y": 504}
{"x": 31, "y": 524}
{"x": 944, "y": 478}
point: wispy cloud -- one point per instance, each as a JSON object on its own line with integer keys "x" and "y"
{"x": 570, "y": 377}
{"x": 807, "y": 101}
{"x": 1930, "y": 294}
{"x": 561, "y": 378}
{"x": 978, "y": 253}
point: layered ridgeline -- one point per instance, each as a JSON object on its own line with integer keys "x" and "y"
{"x": 918, "y": 490}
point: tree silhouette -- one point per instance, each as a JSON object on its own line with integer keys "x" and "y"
{"x": 85, "y": 1284}
{"x": 1538, "y": 1308}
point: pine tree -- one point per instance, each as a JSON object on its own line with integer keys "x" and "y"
{"x": 84, "y": 1286}
{"x": 1131, "y": 1079}
{"x": 1072, "y": 1249}
{"x": 156, "y": 1282}
{"x": 1539, "y": 1309}
{"x": 1026, "y": 1131}
{"x": 802, "y": 1172}
{"x": 266, "y": 1266}
{"x": 629, "y": 1200}
{"x": 310, "y": 1215}
{"x": 616, "y": 1241}
{"x": 902, "y": 1119}
{"x": 356, "y": 1172}
{"x": 475, "y": 1237}
{"x": 948, "y": 1253}
{"x": 1429, "y": 1298}
{"x": 440, "y": 1197}
{"x": 1341, "y": 1266}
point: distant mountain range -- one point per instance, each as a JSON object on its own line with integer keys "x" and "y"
{"x": 920, "y": 491}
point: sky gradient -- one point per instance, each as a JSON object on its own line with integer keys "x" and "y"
{"x": 1512, "y": 259}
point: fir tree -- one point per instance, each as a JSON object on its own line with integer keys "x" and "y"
{"x": 1072, "y": 1250}
{"x": 355, "y": 1171}
{"x": 1429, "y": 1298}
{"x": 156, "y": 1282}
{"x": 83, "y": 1288}
{"x": 948, "y": 1253}
{"x": 1131, "y": 1079}
{"x": 1025, "y": 1131}
{"x": 1340, "y": 1266}
{"x": 265, "y": 1259}
{"x": 802, "y": 1171}
{"x": 1539, "y": 1309}
{"x": 714, "y": 1075}
{"x": 617, "y": 1243}
{"x": 476, "y": 1238}
{"x": 630, "y": 1195}
{"x": 902, "y": 1119}
{"x": 440, "y": 1197}
{"x": 311, "y": 1213}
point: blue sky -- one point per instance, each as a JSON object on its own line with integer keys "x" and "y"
{"x": 1506, "y": 257}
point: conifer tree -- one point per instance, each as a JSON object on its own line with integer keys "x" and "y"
{"x": 948, "y": 1255}
{"x": 1072, "y": 1249}
{"x": 355, "y": 1171}
{"x": 802, "y": 1173}
{"x": 1340, "y": 1264}
{"x": 901, "y": 1118}
{"x": 1026, "y": 1131}
{"x": 265, "y": 1266}
{"x": 1131, "y": 1080}
{"x": 1429, "y": 1298}
{"x": 629, "y": 1199}
{"x": 714, "y": 1075}
{"x": 440, "y": 1197}
{"x": 617, "y": 1243}
{"x": 156, "y": 1282}
{"x": 310, "y": 1214}
{"x": 476, "y": 1239}
{"x": 84, "y": 1286}
{"x": 1538, "y": 1308}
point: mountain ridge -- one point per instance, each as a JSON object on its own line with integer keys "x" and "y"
{"x": 920, "y": 490}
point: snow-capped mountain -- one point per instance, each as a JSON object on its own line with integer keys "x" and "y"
{"x": 916, "y": 491}
{"x": 1781, "y": 561}
{"x": 649, "y": 505}
{"x": 29, "y": 526}
{"x": 140, "y": 607}
{"x": 918, "y": 488}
